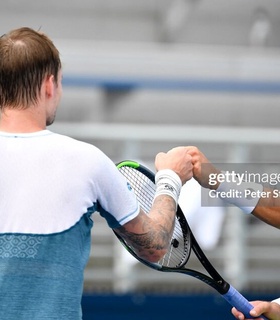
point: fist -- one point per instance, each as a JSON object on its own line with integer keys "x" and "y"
{"x": 177, "y": 159}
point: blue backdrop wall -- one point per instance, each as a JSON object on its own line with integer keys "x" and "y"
{"x": 160, "y": 307}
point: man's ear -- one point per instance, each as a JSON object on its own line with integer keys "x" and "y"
{"x": 49, "y": 85}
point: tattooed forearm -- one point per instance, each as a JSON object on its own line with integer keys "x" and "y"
{"x": 150, "y": 235}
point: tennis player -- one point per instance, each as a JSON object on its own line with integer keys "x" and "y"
{"x": 265, "y": 206}
{"x": 50, "y": 186}
{"x": 262, "y": 202}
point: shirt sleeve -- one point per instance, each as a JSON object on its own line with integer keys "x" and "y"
{"x": 117, "y": 202}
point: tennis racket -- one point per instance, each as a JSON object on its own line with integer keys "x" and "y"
{"x": 142, "y": 181}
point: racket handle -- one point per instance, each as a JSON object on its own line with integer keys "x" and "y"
{"x": 236, "y": 299}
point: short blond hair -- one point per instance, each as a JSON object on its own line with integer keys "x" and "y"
{"x": 26, "y": 58}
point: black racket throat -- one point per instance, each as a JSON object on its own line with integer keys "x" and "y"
{"x": 219, "y": 283}
{"x": 142, "y": 181}
{"x": 214, "y": 279}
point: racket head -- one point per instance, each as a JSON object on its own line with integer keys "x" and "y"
{"x": 142, "y": 182}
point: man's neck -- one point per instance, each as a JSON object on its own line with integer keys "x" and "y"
{"x": 21, "y": 121}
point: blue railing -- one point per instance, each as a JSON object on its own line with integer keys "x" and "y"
{"x": 210, "y": 85}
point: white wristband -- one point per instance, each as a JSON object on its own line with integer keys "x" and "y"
{"x": 276, "y": 301}
{"x": 168, "y": 183}
{"x": 244, "y": 195}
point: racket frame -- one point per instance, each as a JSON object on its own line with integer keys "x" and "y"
{"x": 214, "y": 279}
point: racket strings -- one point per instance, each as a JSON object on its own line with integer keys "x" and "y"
{"x": 144, "y": 189}
{"x": 175, "y": 255}
{"x": 142, "y": 186}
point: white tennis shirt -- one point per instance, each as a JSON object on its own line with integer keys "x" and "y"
{"x": 50, "y": 185}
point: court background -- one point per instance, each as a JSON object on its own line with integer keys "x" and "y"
{"x": 144, "y": 76}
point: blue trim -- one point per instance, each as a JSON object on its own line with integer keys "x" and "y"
{"x": 211, "y": 85}
{"x": 111, "y": 220}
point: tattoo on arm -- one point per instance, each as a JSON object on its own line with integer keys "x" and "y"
{"x": 154, "y": 230}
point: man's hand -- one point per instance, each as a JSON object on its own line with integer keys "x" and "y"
{"x": 202, "y": 167}
{"x": 271, "y": 310}
{"x": 177, "y": 159}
